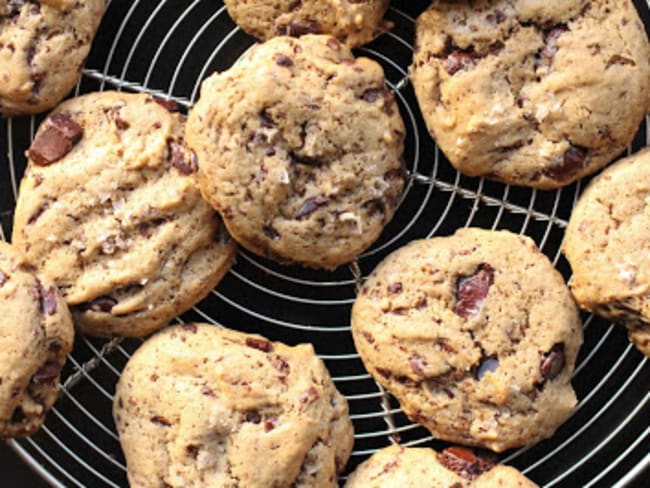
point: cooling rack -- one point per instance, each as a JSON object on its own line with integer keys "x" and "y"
{"x": 166, "y": 48}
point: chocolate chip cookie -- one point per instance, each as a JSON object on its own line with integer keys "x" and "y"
{"x": 36, "y": 334}
{"x": 608, "y": 247}
{"x": 352, "y": 22}
{"x": 43, "y": 45}
{"x": 110, "y": 210}
{"x": 475, "y": 334}
{"x": 199, "y": 405}
{"x": 532, "y": 93}
{"x": 300, "y": 150}
{"x": 458, "y": 467}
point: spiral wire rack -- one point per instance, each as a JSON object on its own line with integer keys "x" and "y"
{"x": 167, "y": 48}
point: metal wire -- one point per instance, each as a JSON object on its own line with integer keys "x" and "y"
{"x": 78, "y": 445}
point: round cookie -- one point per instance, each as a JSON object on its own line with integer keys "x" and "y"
{"x": 608, "y": 247}
{"x": 43, "y": 46}
{"x": 198, "y": 405}
{"x": 109, "y": 209}
{"x": 300, "y": 149}
{"x": 399, "y": 467}
{"x": 475, "y": 334}
{"x": 532, "y": 93}
{"x": 352, "y": 22}
{"x": 36, "y": 335}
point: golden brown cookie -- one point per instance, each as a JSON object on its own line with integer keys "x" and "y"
{"x": 43, "y": 45}
{"x": 532, "y": 93}
{"x": 199, "y": 405}
{"x": 300, "y": 150}
{"x": 609, "y": 250}
{"x": 36, "y": 335}
{"x": 352, "y": 22}
{"x": 109, "y": 209}
{"x": 475, "y": 334}
{"x": 457, "y": 467}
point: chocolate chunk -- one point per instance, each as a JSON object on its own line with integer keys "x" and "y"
{"x": 190, "y": 328}
{"x": 3, "y": 279}
{"x": 395, "y": 288}
{"x": 282, "y": 60}
{"x": 192, "y": 450}
{"x": 270, "y": 232}
{"x": 169, "y": 105}
{"x": 56, "y": 140}
{"x": 310, "y": 205}
{"x": 36, "y": 215}
{"x": 553, "y": 362}
{"x": 621, "y": 60}
{"x": 384, "y": 372}
{"x": 260, "y": 344}
{"x": 464, "y": 462}
{"x": 179, "y": 161}
{"x": 417, "y": 365}
{"x": 301, "y": 159}
{"x": 457, "y": 60}
{"x": 47, "y": 298}
{"x": 471, "y": 291}
{"x": 253, "y": 416}
{"x": 114, "y": 113}
{"x": 280, "y": 364}
{"x": 375, "y": 207}
{"x": 100, "y": 304}
{"x": 270, "y": 424}
{"x": 550, "y": 41}
{"x": 488, "y": 364}
{"x": 46, "y": 373}
{"x": 295, "y": 5}
{"x": 265, "y": 120}
{"x": 207, "y": 391}
{"x": 297, "y": 29}
{"x": 333, "y": 44}
{"x": 374, "y": 94}
{"x": 572, "y": 162}
{"x": 395, "y": 174}
{"x": 159, "y": 420}
{"x": 309, "y": 396}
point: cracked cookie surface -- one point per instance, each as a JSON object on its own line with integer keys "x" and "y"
{"x": 109, "y": 209}
{"x": 608, "y": 247}
{"x": 457, "y": 467}
{"x": 532, "y": 93}
{"x": 352, "y": 22}
{"x": 36, "y": 334}
{"x": 300, "y": 150}
{"x": 43, "y": 45}
{"x": 199, "y": 405}
{"x": 475, "y": 334}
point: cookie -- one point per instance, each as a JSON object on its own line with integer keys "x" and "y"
{"x": 475, "y": 334}
{"x": 109, "y": 209}
{"x": 532, "y": 93}
{"x": 300, "y": 150}
{"x": 352, "y": 22}
{"x": 36, "y": 334}
{"x": 458, "y": 467}
{"x": 43, "y": 46}
{"x": 607, "y": 245}
{"x": 199, "y": 405}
